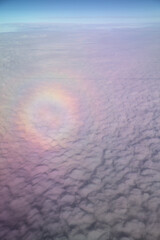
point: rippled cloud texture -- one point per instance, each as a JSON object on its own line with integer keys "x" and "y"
{"x": 80, "y": 133}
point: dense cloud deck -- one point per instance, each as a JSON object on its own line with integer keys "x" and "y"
{"x": 80, "y": 133}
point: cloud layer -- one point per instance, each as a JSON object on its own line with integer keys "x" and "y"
{"x": 94, "y": 173}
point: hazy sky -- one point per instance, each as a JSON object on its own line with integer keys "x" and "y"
{"x": 12, "y": 11}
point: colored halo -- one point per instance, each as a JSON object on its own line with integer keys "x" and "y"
{"x": 49, "y": 115}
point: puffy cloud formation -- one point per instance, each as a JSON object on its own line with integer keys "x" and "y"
{"x": 80, "y": 134}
